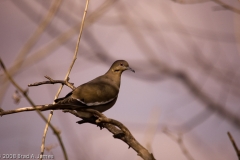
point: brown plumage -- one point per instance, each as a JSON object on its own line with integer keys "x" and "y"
{"x": 100, "y": 93}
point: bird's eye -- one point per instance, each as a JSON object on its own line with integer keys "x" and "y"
{"x": 121, "y": 64}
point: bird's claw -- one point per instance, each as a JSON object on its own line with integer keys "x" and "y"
{"x": 100, "y": 125}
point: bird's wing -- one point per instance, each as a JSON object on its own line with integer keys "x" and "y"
{"x": 60, "y": 99}
{"x": 95, "y": 93}
{"x": 68, "y": 100}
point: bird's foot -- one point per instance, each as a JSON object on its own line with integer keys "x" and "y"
{"x": 100, "y": 125}
{"x": 91, "y": 120}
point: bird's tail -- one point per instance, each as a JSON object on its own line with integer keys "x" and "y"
{"x": 56, "y": 107}
{"x": 47, "y": 107}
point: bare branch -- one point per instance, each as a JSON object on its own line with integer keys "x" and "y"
{"x": 51, "y": 81}
{"x": 234, "y": 144}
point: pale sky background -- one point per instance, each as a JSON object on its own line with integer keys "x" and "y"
{"x": 186, "y": 37}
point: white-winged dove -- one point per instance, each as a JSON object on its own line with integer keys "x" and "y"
{"x": 100, "y": 93}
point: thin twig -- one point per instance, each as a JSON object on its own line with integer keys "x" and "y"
{"x": 234, "y": 144}
{"x": 67, "y": 75}
{"x": 44, "y": 137}
{"x": 52, "y": 81}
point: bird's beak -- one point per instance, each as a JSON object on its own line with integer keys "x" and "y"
{"x": 128, "y": 68}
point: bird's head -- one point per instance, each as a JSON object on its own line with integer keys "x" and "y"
{"x": 119, "y": 66}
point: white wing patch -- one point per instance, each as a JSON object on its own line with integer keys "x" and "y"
{"x": 96, "y": 103}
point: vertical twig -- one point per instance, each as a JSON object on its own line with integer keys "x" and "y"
{"x": 66, "y": 77}
{"x": 44, "y": 135}
{"x": 234, "y": 144}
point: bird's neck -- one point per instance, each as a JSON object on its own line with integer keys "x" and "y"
{"x": 114, "y": 77}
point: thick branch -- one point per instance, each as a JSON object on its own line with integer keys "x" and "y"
{"x": 119, "y": 131}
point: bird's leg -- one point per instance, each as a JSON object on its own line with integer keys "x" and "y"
{"x": 91, "y": 120}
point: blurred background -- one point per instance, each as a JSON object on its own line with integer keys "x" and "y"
{"x": 180, "y": 103}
